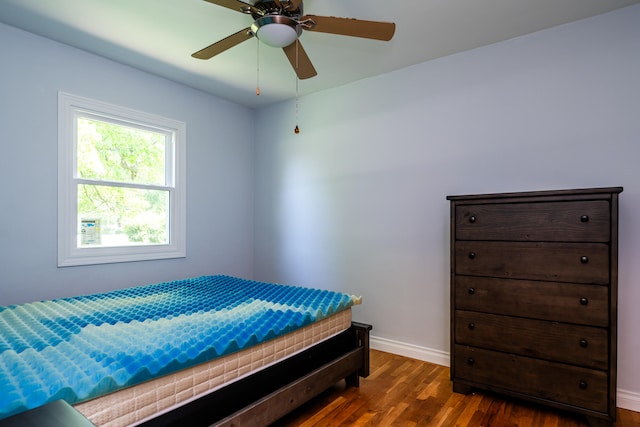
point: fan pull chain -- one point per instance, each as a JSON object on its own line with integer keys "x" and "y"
{"x": 296, "y": 130}
{"x": 258, "y": 67}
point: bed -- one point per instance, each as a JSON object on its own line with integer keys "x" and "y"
{"x": 210, "y": 350}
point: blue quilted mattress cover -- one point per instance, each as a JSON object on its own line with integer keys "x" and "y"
{"x": 83, "y": 347}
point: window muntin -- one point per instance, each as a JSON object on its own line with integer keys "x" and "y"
{"x": 121, "y": 184}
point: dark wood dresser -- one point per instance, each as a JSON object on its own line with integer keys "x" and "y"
{"x": 534, "y": 297}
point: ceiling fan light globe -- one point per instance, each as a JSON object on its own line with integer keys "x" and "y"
{"x": 277, "y": 35}
{"x": 276, "y": 30}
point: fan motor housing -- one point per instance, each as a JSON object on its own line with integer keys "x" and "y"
{"x": 269, "y": 7}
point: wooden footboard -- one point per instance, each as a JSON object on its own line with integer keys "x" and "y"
{"x": 266, "y": 396}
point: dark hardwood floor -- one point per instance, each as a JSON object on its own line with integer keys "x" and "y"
{"x": 407, "y": 392}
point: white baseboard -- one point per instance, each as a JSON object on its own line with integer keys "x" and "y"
{"x": 625, "y": 399}
{"x": 410, "y": 350}
{"x": 628, "y": 400}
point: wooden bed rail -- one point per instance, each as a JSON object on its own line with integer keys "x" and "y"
{"x": 264, "y": 397}
{"x": 284, "y": 400}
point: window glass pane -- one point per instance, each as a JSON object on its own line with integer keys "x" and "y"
{"x": 117, "y": 153}
{"x": 119, "y": 216}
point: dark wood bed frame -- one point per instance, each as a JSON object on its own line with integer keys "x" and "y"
{"x": 264, "y": 397}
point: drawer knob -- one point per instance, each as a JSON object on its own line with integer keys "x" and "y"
{"x": 584, "y": 301}
{"x": 472, "y": 326}
{"x": 584, "y": 218}
{"x": 471, "y": 291}
{"x": 583, "y": 384}
{"x": 472, "y": 219}
{"x": 471, "y": 361}
{"x": 472, "y": 255}
{"x": 584, "y": 259}
{"x": 583, "y": 343}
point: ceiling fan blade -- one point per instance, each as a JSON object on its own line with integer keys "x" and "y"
{"x": 351, "y": 27}
{"x": 299, "y": 60}
{"x": 236, "y": 5}
{"x": 224, "y": 44}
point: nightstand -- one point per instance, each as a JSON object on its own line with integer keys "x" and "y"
{"x": 54, "y": 414}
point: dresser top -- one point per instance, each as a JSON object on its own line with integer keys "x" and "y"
{"x": 546, "y": 193}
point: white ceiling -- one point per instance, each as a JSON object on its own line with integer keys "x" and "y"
{"x": 159, "y": 36}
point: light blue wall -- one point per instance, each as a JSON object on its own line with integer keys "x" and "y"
{"x": 357, "y": 200}
{"x": 219, "y": 170}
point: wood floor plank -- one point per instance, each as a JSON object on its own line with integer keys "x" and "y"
{"x": 406, "y": 392}
{"x": 325, "y": 413}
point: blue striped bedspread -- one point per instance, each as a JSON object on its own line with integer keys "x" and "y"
{"x": 83, "y": 347}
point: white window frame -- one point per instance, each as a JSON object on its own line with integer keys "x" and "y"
{"x": 69, "y": 253}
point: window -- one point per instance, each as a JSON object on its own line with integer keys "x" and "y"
{"x": 121, "y": 184}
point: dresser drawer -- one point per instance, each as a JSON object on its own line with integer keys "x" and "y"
{"x": 563, "y": 302}
{"x": 577, "y": 221}
{"x": 566, "y": 384}
{"x": 558, "y": 262}
{"x": 562, "y": 342}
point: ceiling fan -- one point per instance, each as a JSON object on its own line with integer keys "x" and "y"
{"x": 279, "y": 23}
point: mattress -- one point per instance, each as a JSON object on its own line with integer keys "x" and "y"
{"x": 134, "y": 405}
{"x": 83, "y": 347}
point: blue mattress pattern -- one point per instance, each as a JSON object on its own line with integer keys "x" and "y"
{"x": 83, "y": 347}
